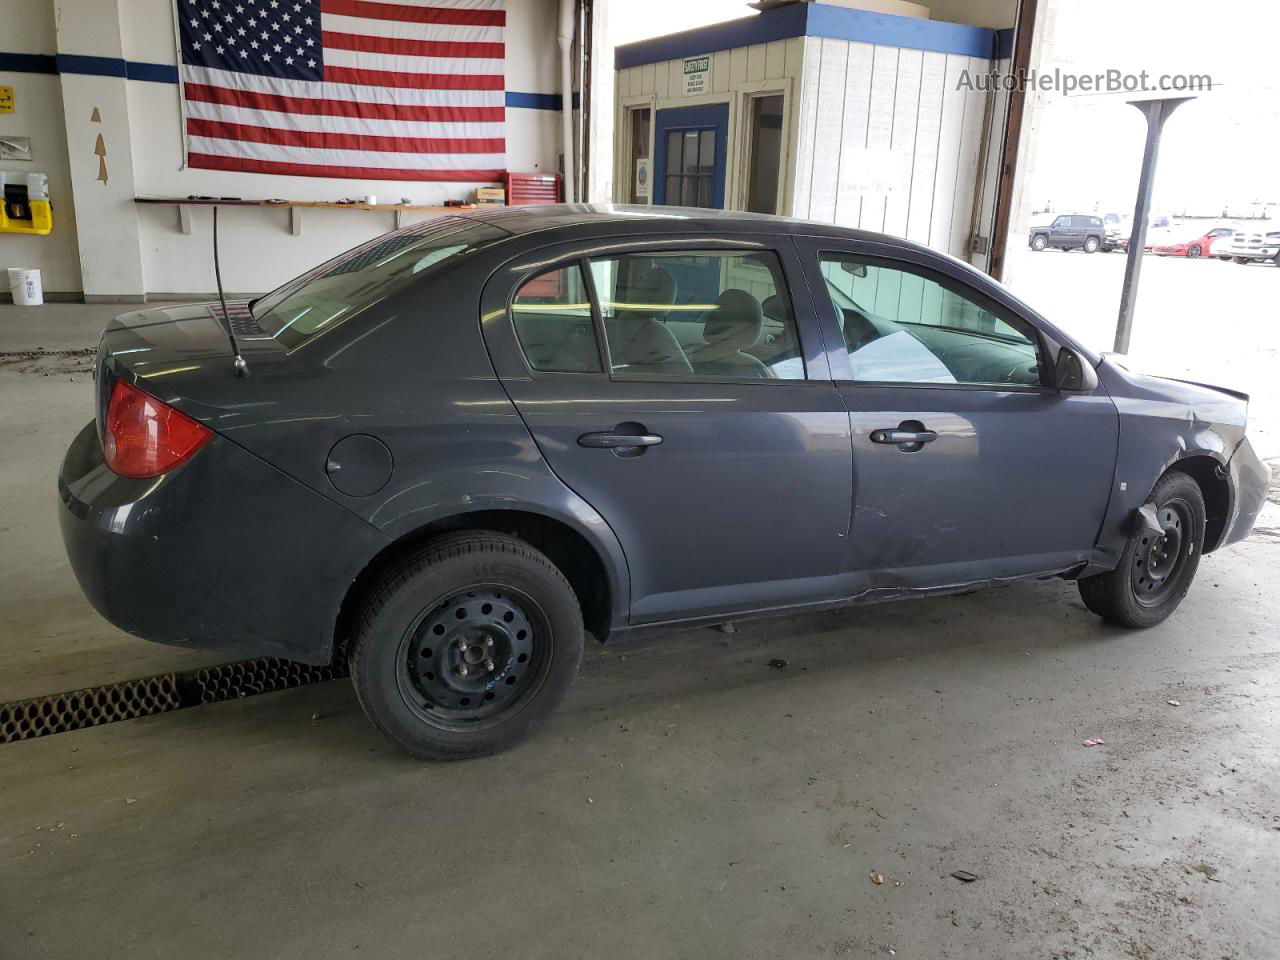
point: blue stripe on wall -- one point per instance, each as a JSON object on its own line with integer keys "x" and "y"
{"x": 911, "y": 33}
{"x": 77, "y": 64}
{"x": 813, "y": 20}
{"x": 28, "y": 63}
{"x": 153, "y": 72}
{"x": 533, "y": 101}
{"x": 92, "y": 66}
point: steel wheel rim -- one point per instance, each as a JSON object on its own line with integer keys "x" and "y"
{"x": 1161, "y": 559}
{"x": 473, "y": 656}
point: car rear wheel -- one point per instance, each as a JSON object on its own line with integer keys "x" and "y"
{"x": 1091, "y": 244}
{"x": 1193, "y": 251}
{"x": 1156, "y": 569}
{"x": 1039, "y": 242}
{"x": 1240, "y": 259}
{"x": 463, "y": 649}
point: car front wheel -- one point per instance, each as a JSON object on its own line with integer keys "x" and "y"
{"x": 1039, "y": 242}
{"x": 464, "y": 648}
{"x": 1156, "y": 568}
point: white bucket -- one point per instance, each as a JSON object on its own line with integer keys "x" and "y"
{"x": 24, "y": 284}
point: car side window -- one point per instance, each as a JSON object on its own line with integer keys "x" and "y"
{"x": 698, "y": 314}
{"x": 901, "y": 326}
{"x": 1062, "y": 222}
{"x": 552, "y": 317}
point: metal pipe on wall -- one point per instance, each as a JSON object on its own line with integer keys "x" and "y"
{"x": 568, "y": 9}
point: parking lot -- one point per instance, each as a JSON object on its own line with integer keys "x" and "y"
{"x": 1205, "y": 319}
{"x": 689, "y": 800}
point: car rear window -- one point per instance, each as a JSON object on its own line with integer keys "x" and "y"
{"x": 322, "y": 298}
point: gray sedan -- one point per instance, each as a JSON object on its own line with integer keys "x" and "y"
{"x": 451, "y": 453}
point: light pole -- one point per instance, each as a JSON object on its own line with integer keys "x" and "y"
{"x": 1156, "y": 112}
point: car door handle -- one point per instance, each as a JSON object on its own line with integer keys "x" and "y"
{"x": 615, "y": 440}
{"x": 903, "y": 436}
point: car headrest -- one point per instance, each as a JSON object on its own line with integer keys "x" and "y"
{"x": 735, "y": 324}
{"x": 774, "y": 308}
{"x": 651, "y": 288}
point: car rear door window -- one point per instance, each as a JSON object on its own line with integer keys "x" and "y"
{"x": 552, "y": 317}
{"x": 900, "y": 326}
{"x": 698, "y": 314}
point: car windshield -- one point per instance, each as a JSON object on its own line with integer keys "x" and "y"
{"x": 334, "y": 291}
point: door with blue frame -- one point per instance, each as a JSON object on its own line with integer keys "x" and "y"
{"x": 689, "y": 155}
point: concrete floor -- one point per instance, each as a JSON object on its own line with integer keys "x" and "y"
{"x": 690, "y": 801}
{"x": 687, "y": 800}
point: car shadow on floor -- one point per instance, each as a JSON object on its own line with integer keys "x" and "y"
{"x": 851, "y": 646}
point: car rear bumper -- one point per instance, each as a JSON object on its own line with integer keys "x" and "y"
{"x": 1251, "y": 252}
{"x": 223, "y": 552}
{"x": 1250, "y": 480}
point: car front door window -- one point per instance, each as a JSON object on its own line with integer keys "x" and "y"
{"x": 900, "y": 326}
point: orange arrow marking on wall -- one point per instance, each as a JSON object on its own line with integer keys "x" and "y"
{"x": 100, "y": 150}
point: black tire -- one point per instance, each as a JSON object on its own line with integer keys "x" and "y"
{"x": 1240, "y": 259}
{"x": 1039, "y": 242}
{"x": 1091, "y": 244}
{"x": 409, "y": 674}
{"x": 1129, "y": 595}
{"x": 1194, "y": 251}
{"x": 1276, "y": 259}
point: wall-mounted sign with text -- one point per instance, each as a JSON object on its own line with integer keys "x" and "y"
{"x": 697, "y": 75}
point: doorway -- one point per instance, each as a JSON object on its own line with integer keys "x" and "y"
{"x": 689, "y": 155}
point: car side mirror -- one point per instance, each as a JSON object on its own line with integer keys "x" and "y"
{"x": 1073, "y": 373}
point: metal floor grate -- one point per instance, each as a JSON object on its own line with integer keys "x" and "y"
{"x": 93, "y": 706}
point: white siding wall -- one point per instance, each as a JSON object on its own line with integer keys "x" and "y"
{"x": 888, "y": 141}
{"x": 735, "y": 75}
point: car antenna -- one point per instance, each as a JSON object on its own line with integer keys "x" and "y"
{"x": 242, "y": 368}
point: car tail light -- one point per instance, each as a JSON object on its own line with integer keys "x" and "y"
{"x": 145, "y": 437}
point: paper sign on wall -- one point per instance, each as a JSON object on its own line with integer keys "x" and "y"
{"x": 642, "y": 178}
{"x": 697, "y": 75}
{"x": 6, "y": 99}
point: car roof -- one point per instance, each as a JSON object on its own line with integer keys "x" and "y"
{"x": 595, "y": 219}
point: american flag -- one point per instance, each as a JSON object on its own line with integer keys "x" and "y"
{"x": 368, "y": 89}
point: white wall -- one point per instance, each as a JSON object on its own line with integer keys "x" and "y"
{"x": 28, "y": 28}
{"x": 258, "y": 249}
{"x": 888, "y": 142}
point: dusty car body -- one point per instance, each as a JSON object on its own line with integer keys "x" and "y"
{"x": 763, "y": 465}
